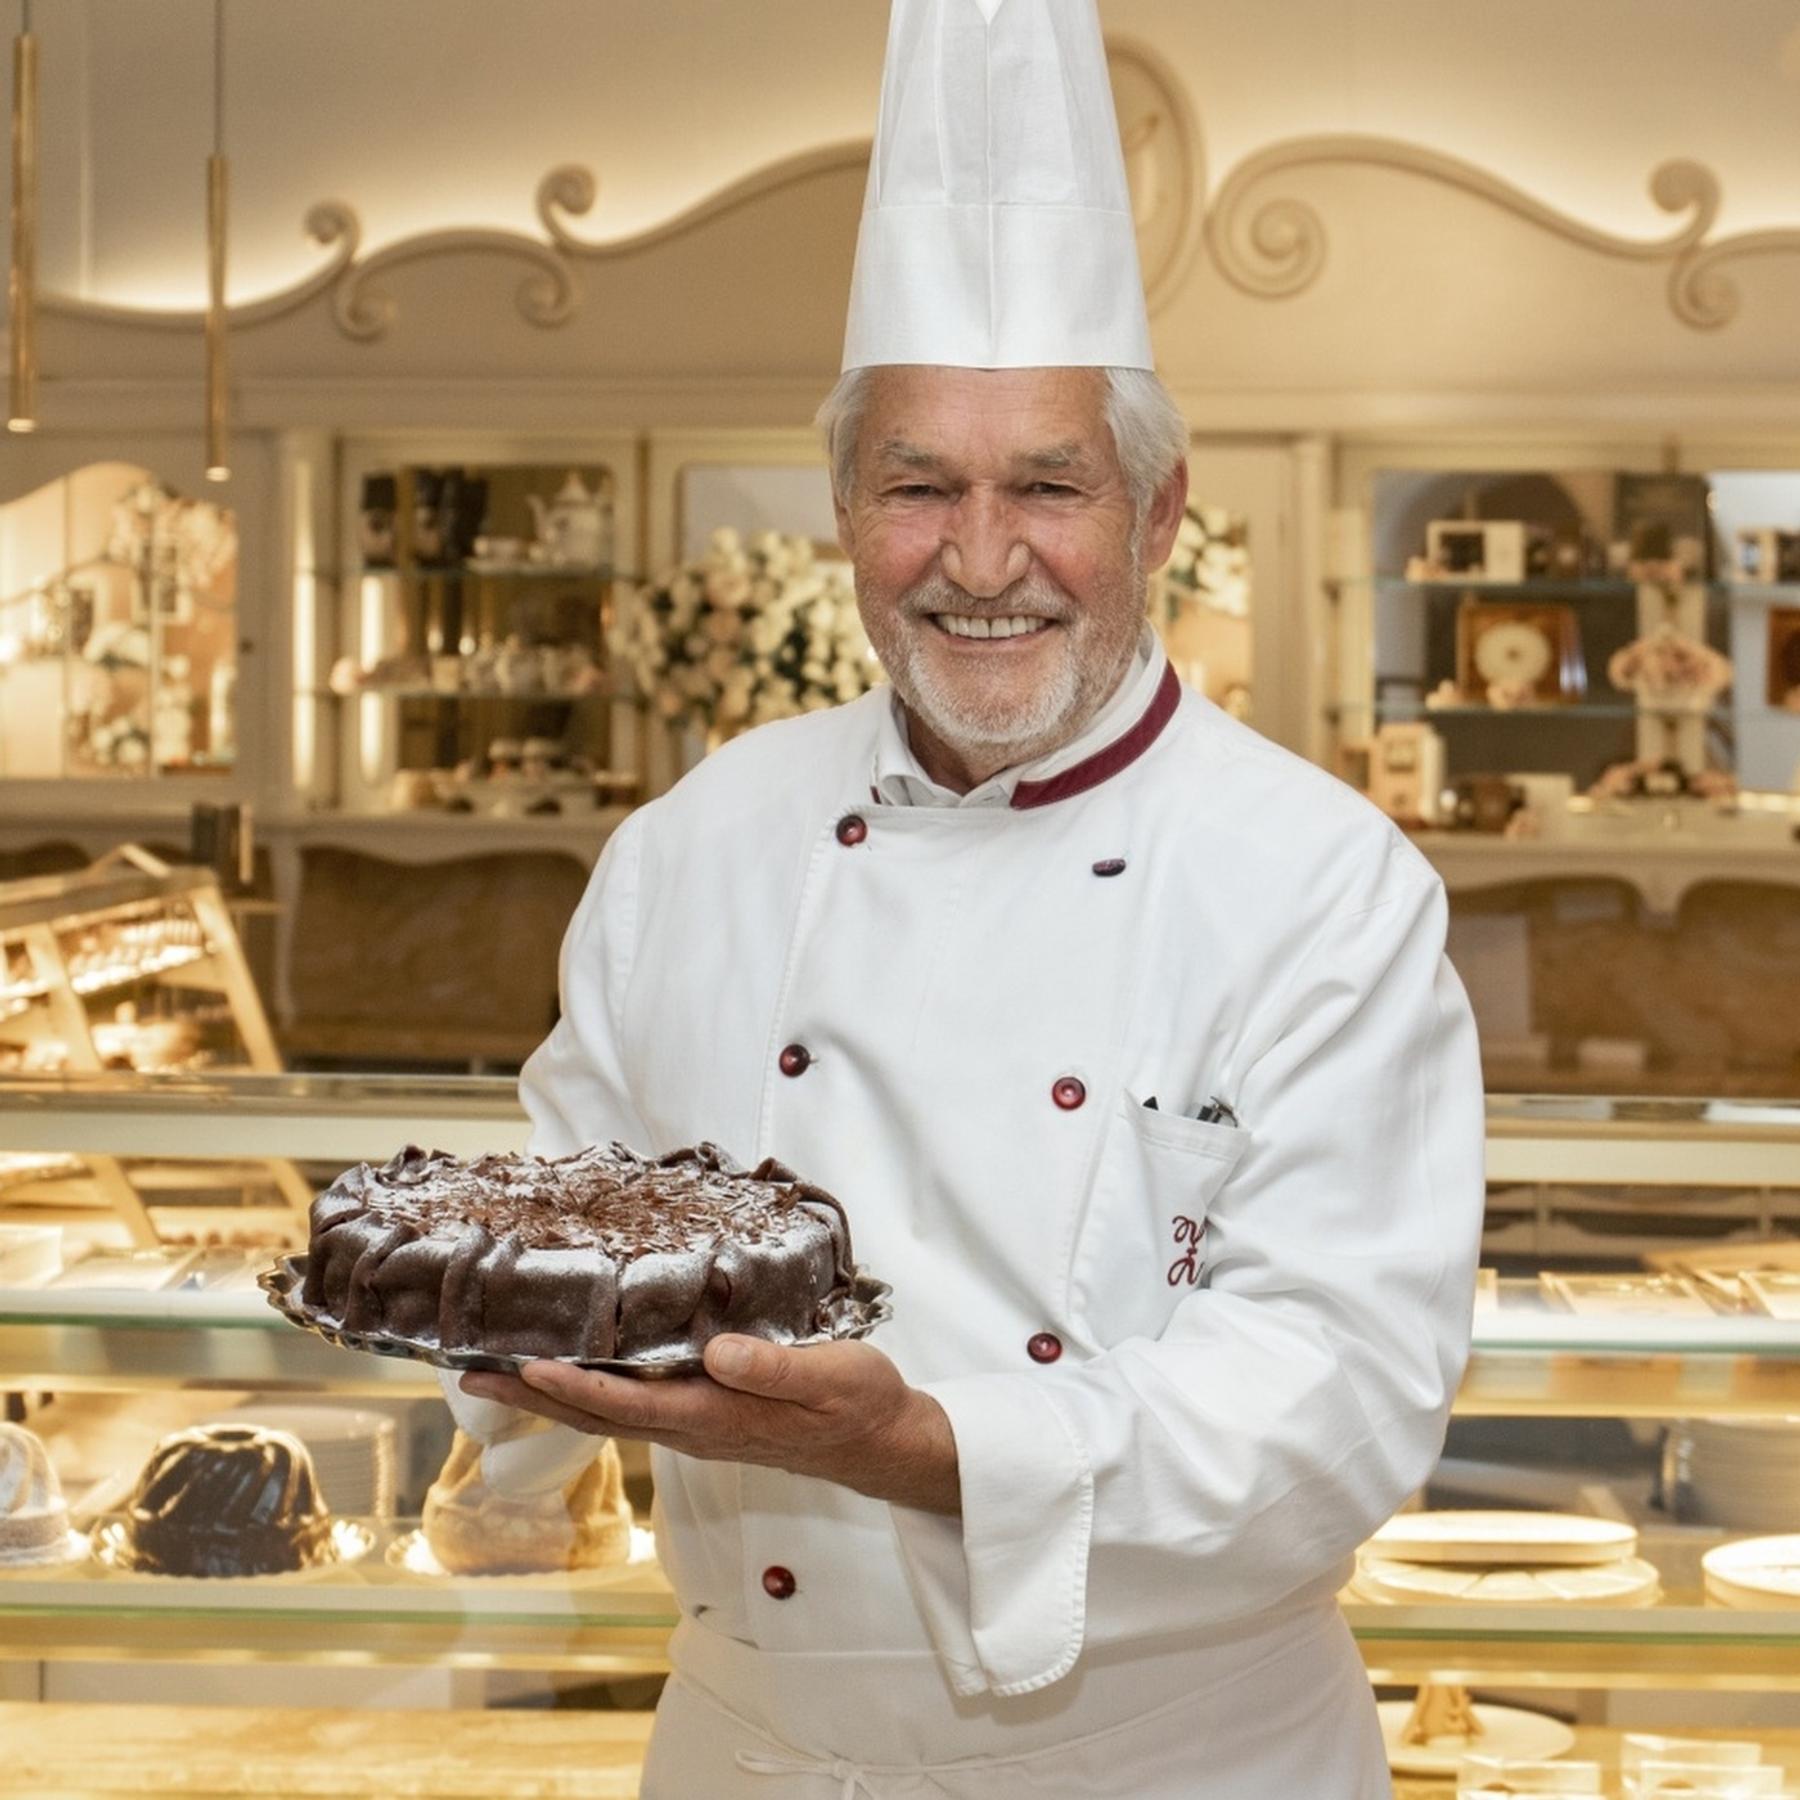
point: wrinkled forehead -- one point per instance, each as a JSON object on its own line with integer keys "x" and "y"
{"x": 921, "y": 416}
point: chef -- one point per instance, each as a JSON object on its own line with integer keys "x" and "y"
{"x": 1125, "y": 1037}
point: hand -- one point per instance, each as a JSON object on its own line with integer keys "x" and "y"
{"x": 840, "y": 1412}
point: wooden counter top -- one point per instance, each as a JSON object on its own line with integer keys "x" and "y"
{"x": 85, "y": 1752}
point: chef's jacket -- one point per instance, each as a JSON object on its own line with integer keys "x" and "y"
{"x": 1189, "y": 1365}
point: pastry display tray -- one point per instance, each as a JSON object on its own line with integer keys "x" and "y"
{"x": 855, "y": 1315}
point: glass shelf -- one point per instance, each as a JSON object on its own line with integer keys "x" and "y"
{"x": 1680, "y": 1642}
{"x": 507, "y": 572}
{"x": 542, "y": 697}
{"x": 615, "y": 1621}
{"x": 1584, "y": 711}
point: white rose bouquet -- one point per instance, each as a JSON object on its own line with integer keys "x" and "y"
{"x": 752, "y": 631}
{"x": 1210, "y": 564}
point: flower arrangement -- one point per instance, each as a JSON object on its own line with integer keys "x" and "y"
{"x": 1210, "y": 564}
{"x": 754, "y": 630}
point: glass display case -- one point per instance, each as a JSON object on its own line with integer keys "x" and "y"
{"x": 118, "y": 630}
{"x": 135, "y": 964}
{"x": 1650, "y": 1341}
{"x": 473, "y": 664}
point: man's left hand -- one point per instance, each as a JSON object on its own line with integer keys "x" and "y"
{"x": 840, "y": 1412}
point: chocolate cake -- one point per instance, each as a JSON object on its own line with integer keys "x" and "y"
{"x": 601, "y": 1254}
{"x": 227, "y": 1500}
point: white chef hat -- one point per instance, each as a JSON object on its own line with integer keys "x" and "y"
{"x": 997, "y": 228}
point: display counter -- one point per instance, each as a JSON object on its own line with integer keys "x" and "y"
{"x": 1545, "y": 1346}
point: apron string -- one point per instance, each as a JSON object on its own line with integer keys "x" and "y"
{"x": 855, "y": 1780}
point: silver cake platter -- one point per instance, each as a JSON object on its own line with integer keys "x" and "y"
{"x": 852, "y": 1315}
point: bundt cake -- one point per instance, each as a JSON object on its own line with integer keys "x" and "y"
{"x": 34, "y": 1518}
{"x": 472, "y": 1530}
{"x": 601, "y": 1254}
{"x": 226, "y": 1500}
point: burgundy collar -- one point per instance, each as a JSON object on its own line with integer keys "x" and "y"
{"x": 1104, "y": 764}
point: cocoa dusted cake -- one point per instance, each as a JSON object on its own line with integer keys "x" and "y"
{"x": 601, "y": 1254}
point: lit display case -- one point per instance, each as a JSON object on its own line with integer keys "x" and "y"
{"x": 1545, "y": 1350}
{"x": 135, "y": 964}
{"x": 473, "y": 666}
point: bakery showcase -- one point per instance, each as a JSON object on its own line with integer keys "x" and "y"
{"x": 358, "y": 581}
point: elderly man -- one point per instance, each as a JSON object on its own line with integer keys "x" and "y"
{"x": 1125, "y": 1037}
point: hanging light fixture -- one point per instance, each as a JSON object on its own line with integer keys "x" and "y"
{"x": 21, "y": 286}
{"x": 218, "y": 467}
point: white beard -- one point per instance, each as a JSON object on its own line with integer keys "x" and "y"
{"x": 994, "y": 727}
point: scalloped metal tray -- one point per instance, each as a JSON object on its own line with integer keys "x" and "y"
{"x": 854, "y": 1315}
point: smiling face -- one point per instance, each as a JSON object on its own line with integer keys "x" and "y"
{"x": 999, "y": 557}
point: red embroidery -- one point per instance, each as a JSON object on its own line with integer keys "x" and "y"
{"x": 1187, "y": 1266}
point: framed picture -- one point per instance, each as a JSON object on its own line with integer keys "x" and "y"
{"x": 1784, "y": 657}
{"x": 1514, "y": 654}
{"x": 1662, "y": 527}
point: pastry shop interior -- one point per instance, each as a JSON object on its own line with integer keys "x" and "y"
{"x": 403, "y": 485}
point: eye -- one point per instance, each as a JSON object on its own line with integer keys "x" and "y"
{"x": 1051, "y": 490}
{"x": 912, "y": 490}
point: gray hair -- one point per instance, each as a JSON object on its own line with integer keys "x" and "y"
{"x": 1147, "y": 428}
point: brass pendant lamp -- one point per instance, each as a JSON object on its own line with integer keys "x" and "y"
{"x": 218, "y": 463}
{"x": 21, "y": 285}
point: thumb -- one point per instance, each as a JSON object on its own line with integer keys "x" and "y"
{"x": 753, "y": 1366}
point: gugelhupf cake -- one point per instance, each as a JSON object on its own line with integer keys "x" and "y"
{"x": 601, "y": 1254}
{"x": 227, "y": 1500}
{"x": 34, "y": 1517}
{"x": 472, "y": 1530}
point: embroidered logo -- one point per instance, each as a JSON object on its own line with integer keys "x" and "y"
{"x": 1186, "y": 1267}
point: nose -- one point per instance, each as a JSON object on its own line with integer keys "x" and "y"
{"x": 984, "y": 550}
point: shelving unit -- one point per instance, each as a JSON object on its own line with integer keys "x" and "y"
{"x": 456, "y": 653}
{"x": 135, "y": 929}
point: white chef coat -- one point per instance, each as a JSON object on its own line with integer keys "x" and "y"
{"x": 1189, "y": 1366}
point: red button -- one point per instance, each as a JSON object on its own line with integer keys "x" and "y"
{"x": 1114, "y": 865}
{"x": 1046, "y": 1347}
{"x": 1069, "y": 1093}
{"x": 779, "y": 1583}
{"x": 851, "y": 831}
{"x": 796, "y": 1059}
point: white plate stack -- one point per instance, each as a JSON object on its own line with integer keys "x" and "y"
{"x": 1504, "y": 1559}
{"x": 352, "y": 1451}
{"x": 1737, "y": 1472}
{"x": 1762, "y": 1574}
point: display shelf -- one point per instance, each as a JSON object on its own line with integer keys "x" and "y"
{"x": 479, "y": 571}
{"x": 538, "y": 697}
{"x": 1384, "y": 710}
{"x": 1549, "y": 587}
{"x": 1680, "y": 1642}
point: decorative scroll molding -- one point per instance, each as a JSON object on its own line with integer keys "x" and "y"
{"x": 1276, "y": 247}
{"x": 1268, "y": 246}
{"x": 1164, "y": 162}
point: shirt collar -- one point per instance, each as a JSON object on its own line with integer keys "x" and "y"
{"x": 1124, "y": 727}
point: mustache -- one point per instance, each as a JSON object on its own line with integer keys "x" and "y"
{"x": 1035, "y": 595}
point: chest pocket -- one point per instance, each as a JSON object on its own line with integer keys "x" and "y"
{"x": 1142, "y": 1245}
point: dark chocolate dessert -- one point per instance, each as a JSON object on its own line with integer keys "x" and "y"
{"x": 600, "y": 1254}
{"x": 227, "y": 1500}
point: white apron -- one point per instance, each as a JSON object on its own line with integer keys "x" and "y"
{"x": 1189, "y": 1366}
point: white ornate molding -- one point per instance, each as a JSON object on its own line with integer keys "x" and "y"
{"x": 1275, "y": 246}
{"x": 1269, "y": 245}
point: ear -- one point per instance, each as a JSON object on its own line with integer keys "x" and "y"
{"x": 1163, "y": 519}
{"x": 846, "y": 527}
